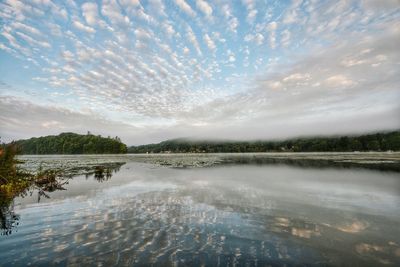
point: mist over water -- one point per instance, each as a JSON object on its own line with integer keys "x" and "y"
{"x": 221, "y": 215}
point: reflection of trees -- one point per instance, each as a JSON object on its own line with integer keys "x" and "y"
{"x": 50, "y": 187}
{"x": 43, "y": 183}
{"x": 102, "y": 173}
{"x": 304, "y": 162}
{"x": 8, "y": 219}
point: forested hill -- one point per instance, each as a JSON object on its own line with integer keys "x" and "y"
{"x": 72, "y": 143}
{"x": 370, "y": 142}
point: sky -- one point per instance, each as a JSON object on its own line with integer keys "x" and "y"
{"x": 151, "y": 70}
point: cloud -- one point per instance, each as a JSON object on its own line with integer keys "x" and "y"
{"x": 80, "y": 26}
{"x": 233, "y": 24}
{"x": 157, "y": 7}
{"x": 142, "y": 34}
{"x": 291, "y": 14}
{"x": 339, "y": 80}
{"x": 23, "y": 119}
{"x": 201, "y": 66}
{"x": 130, "y": 3}
{"x": 209, "y": 42}
{"x": 90, "y": 13}
{"x": 380, "y": 5}
{"x": 185, "y": 7}
{"x": 272, "y": 26}
{"x": 285, "y": 38}
{"x": 257, "y": 38}
{"x": 26, "y": 28}
{"x": 32, "y": 41}
{"x": 231, "y": 56}
{"x": 297, "y": 77}
{"x": 313, "y": 92}
{"x": 204, "y": 7}
{"x": 55, "y": 29}
{"x": 193, "y": 39}
{"x": 113, "y": 12}
{"x": 169, "y": 29}
{"x": 252, "y": 11}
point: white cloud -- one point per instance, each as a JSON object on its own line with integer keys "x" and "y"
{"x": 291, "y": 15}
{"x": 80, "y": 26}
{"x": 142, "y": 34}
{"x": 192, "y": 38}
{"x": 150, "y": 62}
{"x": 297, "y": 77}
{"x": 339, "y": 80}
{"x": 257, "y": 38}
{"x": 33, "y": 42}
{"x": 185, "y": 7}
{"x": 209, "y": 42}
{"x": 67, "y": 55}
{"x": 146, "y": 17}
{"x": 226, "y": 11}
{"x": 55, "y": 29}
{"x": 157, "y": 7}
{"x": 232, "y": 21}
{"x": 251, "y": 9}
{"x": 252, "y": 15}
{"x": 7, "y": 49}
{"x": 169, "y": 29}
{"x": 112, "y": 11}
{"x": 233, "y": 24}
{"x": 128, "y": 5}
{"x": 285, "y": 38}
{"x": 26, "y": 28}
{"x": 90, "y": 13}
{"x": 204, "y": 7}
{"x": 272, "y": 26}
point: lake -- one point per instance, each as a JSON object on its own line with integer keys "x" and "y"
{"x": 305, "y": 209}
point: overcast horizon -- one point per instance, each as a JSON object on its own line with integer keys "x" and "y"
{"x": 151, "y": 70}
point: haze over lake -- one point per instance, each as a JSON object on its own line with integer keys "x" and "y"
{"x": 234, "y": 213}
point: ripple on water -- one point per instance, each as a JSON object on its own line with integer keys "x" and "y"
{"x": 168, "y": 226}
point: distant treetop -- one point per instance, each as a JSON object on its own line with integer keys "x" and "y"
{"x": 370, "y": 142}
{"x": 72, "y": 143}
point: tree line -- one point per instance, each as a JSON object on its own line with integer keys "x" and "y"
{"x": 71, "y": 143}
{"x": 369, "y": 142}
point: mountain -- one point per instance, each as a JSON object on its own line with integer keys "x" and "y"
{"x": 369, "y": 142}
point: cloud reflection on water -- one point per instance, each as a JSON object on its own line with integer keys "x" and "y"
{"x": 246, "y": 214}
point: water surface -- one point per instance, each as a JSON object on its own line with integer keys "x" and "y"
{"x": 244, "y": 213}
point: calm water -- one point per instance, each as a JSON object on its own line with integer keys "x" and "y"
{"x": 223, "y": 215}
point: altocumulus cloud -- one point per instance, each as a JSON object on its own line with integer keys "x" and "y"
{"x": 151, "y": 70}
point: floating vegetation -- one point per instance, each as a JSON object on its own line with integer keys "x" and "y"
{"x": 371, "y": 160}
